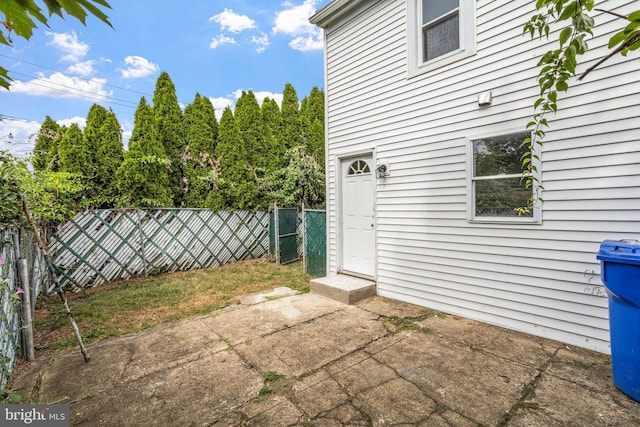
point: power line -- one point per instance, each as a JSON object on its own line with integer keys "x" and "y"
{"x": 74, "y": 75}
{"x": 16, "y": 119}
{"x": 39, "y": 81}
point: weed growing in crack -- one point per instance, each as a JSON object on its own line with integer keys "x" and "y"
{"x": 263, "y": 395}
{"x": 271, "y": 376}
{"x": 406, "y": 324}
{"x": 274, "y": 382}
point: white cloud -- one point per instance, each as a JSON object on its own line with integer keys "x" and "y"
{"x": 229, "y": 20}
{"x": 219, "y": 104}
{"x": 18, "y": 136}
{"x": 58, "y": 85}
{"x": 127, "y": 130}
{"x": 260, "y": 96}
{"x": 294, "y": 21}
{"x": 82, "y": 68}
{"x": 221, "y": 39}
{"x": 306, "y": 44}
{"x": 73, "y": 48}
{"x": 80, "y": 121}
{"x": 262, "y": 42}
{"x": 137, "y": 67}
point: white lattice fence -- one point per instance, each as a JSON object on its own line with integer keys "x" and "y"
{"x": 9, "y": 313}
{"x": 102, "y": 246}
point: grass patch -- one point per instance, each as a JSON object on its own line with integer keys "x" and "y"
{"x": 271, "y": 376}
{"x": 134, "y": 305}
{"x": 274, "y": 383}
{"x": 263, "y": 395}
{"x": 406, "y": 324}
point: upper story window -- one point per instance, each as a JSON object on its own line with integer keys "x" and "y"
{"x": 496, "y": 187}
{"x": 439, "y": 32}
{"x": 440, "y": 28}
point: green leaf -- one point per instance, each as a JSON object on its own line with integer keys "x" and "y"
{"x": 95, "y": 11}
{"x": 568, "y": 11}
{"x": 564, "y": 35}
{"x": 583, "y": 22}
{"x": 537, "y": 104}
{"x": 4, "y": 78}
{"x": 617, "y": 39}
{"x": 562, "y": 86}
{"x": 634, "y": 16}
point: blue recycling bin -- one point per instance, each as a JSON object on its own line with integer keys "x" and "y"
{"x": 620, "y": 274}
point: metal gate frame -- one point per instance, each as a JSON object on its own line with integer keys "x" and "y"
{"x": 279, "y": 236}
{"x": 312, "y": 249}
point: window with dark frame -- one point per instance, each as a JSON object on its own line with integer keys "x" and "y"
{"x": 498, "y": 185}
{"x": 440, "y": 28}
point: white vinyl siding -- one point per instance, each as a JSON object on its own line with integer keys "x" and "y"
{"x": 537, "y": 278}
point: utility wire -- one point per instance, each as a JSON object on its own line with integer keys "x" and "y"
{"x": 39, "y": 81}
{"x": 74, "y": 75}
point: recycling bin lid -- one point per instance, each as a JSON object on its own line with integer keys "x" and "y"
{"x": 620, "y": 251}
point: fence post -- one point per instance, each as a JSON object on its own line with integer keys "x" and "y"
{"x": 144, "y": 257}
{"x": 304, "y": 239}
{"x": 26, "y": 320}
{"x": 277, "y": 231}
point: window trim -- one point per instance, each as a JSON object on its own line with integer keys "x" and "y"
{"x": 467, "y": 25}
{"x": 536, "y": 218}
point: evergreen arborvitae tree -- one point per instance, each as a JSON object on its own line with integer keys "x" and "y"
{"x": 71, "y": 151}
{"x": 210, "y": 114}
{"x": 109, "y": 158}
{"x": 314, "y": 140}
{"x": 55, "y": 152}
{"x": 272, "y": 122}
{"x": 143, "y": 177}
{"x": 248, "y": 117}
{"x": 95, "y": 119}
{"x": 312, "y": 106}
{"x": 237, "y": 186}
{"x": 168, "y": 120}
{"x": 198, "y": 161}
{"x": 312, "y": 119}
{"x": 46, "y": 149}
{"x": 291, "y": 129}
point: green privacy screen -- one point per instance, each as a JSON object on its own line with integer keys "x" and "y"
{"x": 315, "y": 242}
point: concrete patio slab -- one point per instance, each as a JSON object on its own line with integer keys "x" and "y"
{"x": 278, "y": 359}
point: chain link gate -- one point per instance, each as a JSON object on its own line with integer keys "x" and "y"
{"x": 315, "y": 242}
{"x": 283, "y": 238}
{"x": 293, "y": 236}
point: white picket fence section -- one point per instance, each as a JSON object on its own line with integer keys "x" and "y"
{"x": 107, "y": 245}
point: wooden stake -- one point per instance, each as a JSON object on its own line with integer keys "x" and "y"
{"x": 49, "y": 261}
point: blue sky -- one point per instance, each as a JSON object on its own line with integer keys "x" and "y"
{"x": 215, "y": 47}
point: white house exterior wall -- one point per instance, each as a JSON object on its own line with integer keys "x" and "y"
{"x": 538, "y": 278}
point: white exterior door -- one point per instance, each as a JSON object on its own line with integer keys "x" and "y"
{"x": 358, "y": 215}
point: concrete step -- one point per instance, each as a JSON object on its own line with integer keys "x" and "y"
{"x": 343, "y": 288}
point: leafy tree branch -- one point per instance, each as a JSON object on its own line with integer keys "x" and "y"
{"x": 21, "y": 17}
{"x": 558, "y": 66}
